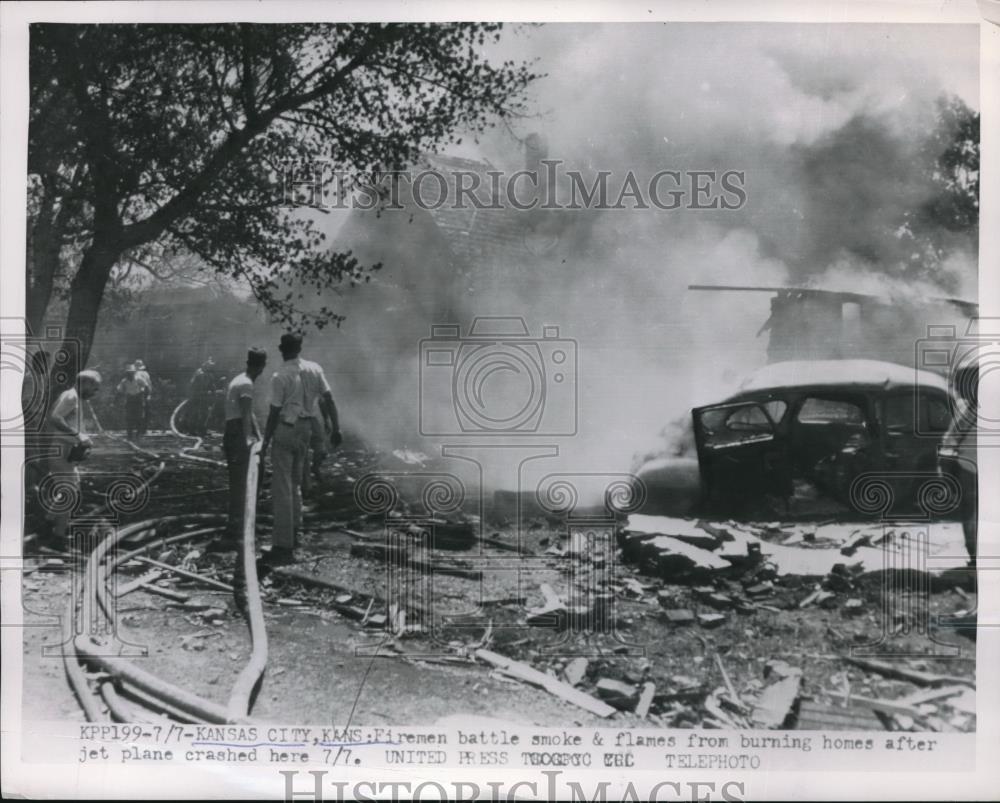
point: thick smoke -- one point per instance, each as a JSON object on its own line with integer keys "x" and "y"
{"x": 827, "y": 122}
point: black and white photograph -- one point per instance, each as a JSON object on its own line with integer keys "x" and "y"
{"x": 582, "y": 408}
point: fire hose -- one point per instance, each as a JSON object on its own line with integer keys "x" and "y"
{"x": 182, "y": 454}
{"x": 240, "y": 697}
{"x": 112, "y": 436}
{"x": 197, "y": 440}
{"x": 152, "y": 690}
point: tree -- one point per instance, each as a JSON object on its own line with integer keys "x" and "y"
{"x": 151, "y": 139}
{"x": 948, "y": 220}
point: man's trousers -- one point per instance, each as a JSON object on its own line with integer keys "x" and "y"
{"x": 234, "y": 444}
{"x": 288, "y": 459}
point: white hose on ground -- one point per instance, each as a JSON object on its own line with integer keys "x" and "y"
{"x": 240, "y": 697}
{"x": 101, "y": 430}
{"x": 197, "y": 441}
{"x": 95, "y": 600}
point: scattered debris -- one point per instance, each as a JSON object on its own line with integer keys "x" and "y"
{"x": 645, "y": 700}
{"x": 576, "y": 670}
{"x": 548, "y": 682}
{"x": 905, "y": 673}
{"x": 853, "y": 607}
{"x": 401, "y": 557}
{"x": 711, "y": 620}
{"x": 679, "y": 616}
{"x": 149, "y": 577}
{"x": 776, "y": 701}
{"x": 198, "y": 578}
{"x": 622, "y": 696}
{"x": 892, "y": 707}
{"x": 764, "y": 589}
{"x": 169, "y": 593}
{"x": 815, "y": 716}
{"x": 931, "y": 695}
{"x": 965, "y": 702}
{"x": 858, "y": 539}
{"x": 721, "y": 602}
{"x": 729, "y": 684}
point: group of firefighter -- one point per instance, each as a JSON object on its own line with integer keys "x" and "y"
{"x": 302, "y": 421}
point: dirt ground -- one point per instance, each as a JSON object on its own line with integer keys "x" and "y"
{"x": 326, "y": 667}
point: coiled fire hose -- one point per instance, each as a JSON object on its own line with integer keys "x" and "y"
{"x": 151, "y": 690}
{"x": 197, "y": 441}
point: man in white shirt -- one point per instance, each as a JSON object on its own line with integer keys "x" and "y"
{"x": 240, "y": 434}
{"x": 65, "y": 424}
{"x": 136, "y": 393}
{"x": 299, "y": 393}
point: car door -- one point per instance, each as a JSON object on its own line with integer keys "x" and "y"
{"x": 741, "y": 454}
{"x": 912, "y": 426}
{"x": 831, "y": 440}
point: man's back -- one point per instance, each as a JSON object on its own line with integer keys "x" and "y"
{"x": 296, "y": 388}
{"x": 241, "y": 386}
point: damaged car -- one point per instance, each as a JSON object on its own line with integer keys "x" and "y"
{"x": 799, "y": 432}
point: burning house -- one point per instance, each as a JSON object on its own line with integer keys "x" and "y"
{"x": 814, "y": 324}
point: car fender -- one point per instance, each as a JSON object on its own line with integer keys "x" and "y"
{"x": 671, "y": 486}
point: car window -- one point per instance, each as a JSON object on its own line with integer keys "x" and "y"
{"x": 816, "y": 410}
{"x": 897, "y": 412}
{"x": 728, "y": 426}
{"x": 748, "y": 419}
{"x": 935, "y": 414}
{"x": 776, "y": 409}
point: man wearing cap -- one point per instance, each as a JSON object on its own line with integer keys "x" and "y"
{"x": 239, "y": 436}
{"x": 299, "y": 393}
{"x": 65, "y": 424}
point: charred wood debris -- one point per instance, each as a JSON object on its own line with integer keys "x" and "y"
{"x": 697, "y": 591}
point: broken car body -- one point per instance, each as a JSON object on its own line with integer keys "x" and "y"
{"x": 806, "y": 428}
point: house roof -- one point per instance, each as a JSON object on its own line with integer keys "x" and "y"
{"x": 840, "y": 373}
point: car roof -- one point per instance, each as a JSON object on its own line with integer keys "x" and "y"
{"x": 866, "y": 374}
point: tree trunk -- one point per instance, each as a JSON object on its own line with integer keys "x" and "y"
{"x": 86, "y": 292}
{"x": 42, "y": 265}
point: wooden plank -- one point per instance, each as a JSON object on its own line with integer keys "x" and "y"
{"x": 676, "y": 557}
{"x": 198, "y": 578}
{"x": 905, "y": 673}
{"x": 815, "y": 716}
{"x": 776, "y": 701}
{"x": 645, "y": 700}
{"x": 729, "y": 683}
{"x": 886, "y": 706}
{"x": 138, "y": 582}
{"x": 552, "y": 685}
{"x": 930, "y": 695}
{"x": 169, "y": 593}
